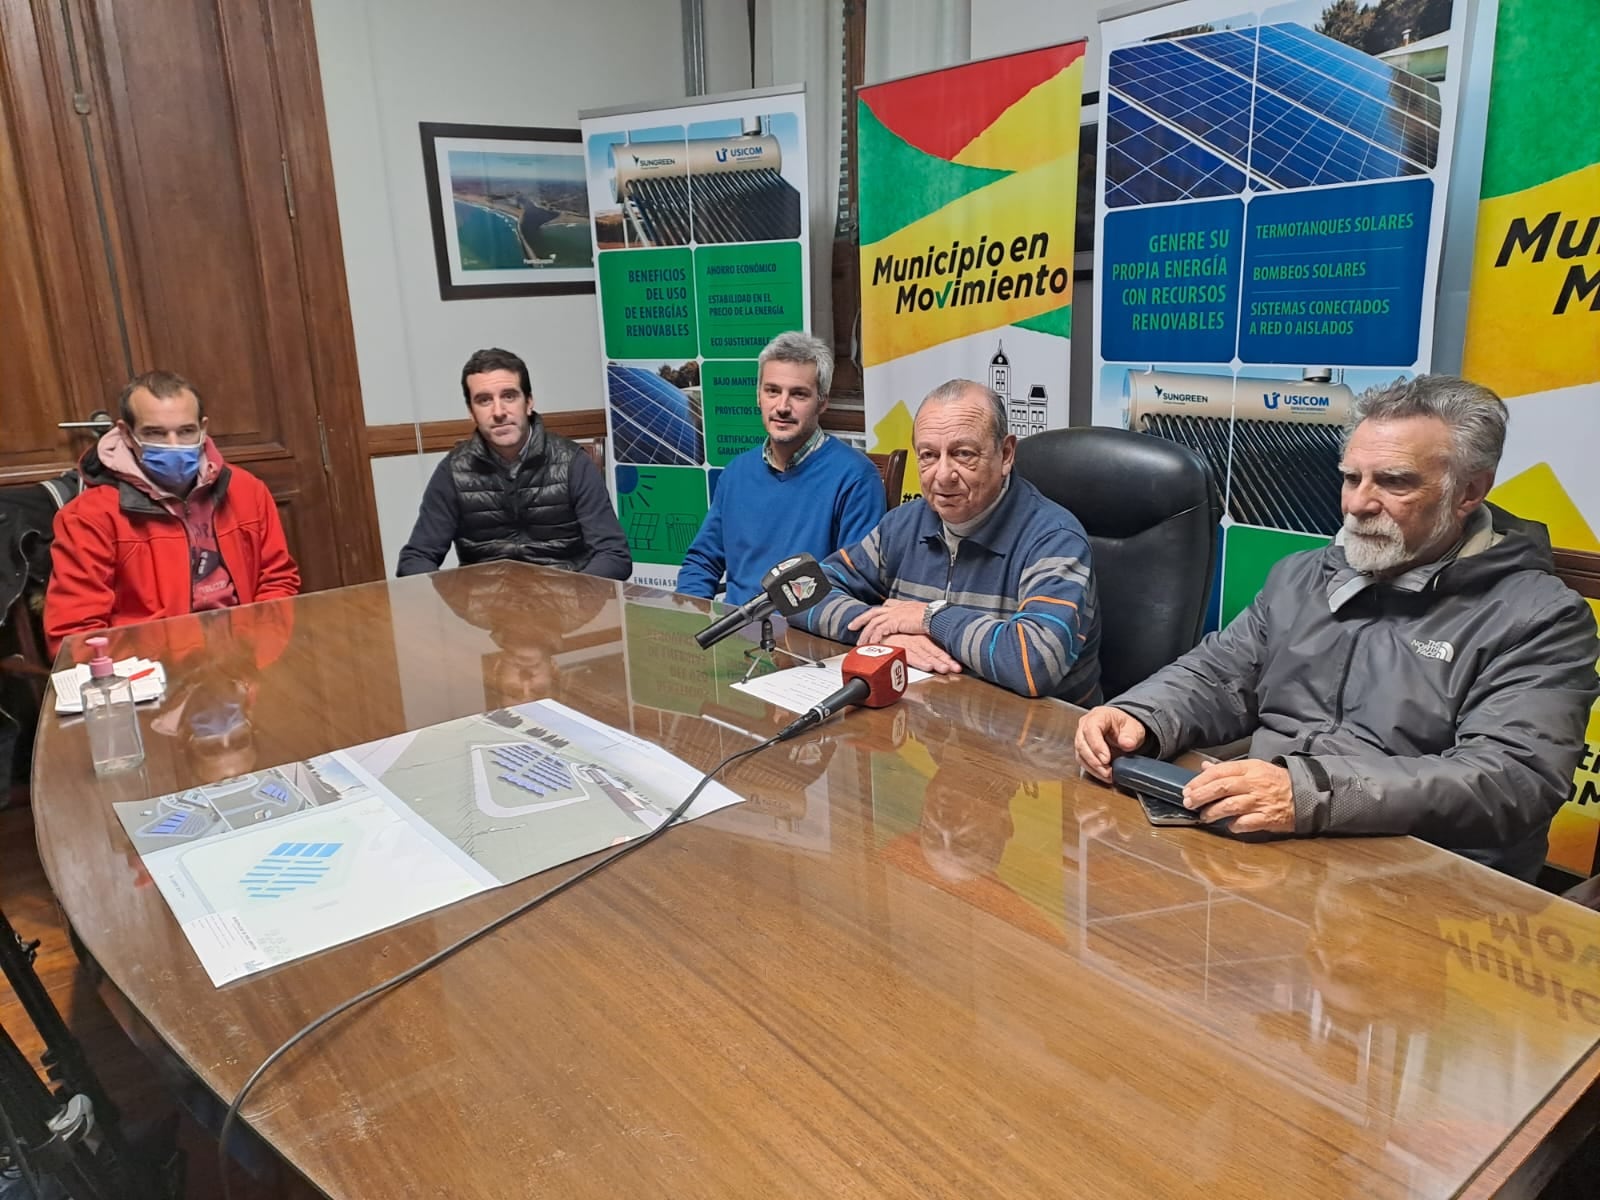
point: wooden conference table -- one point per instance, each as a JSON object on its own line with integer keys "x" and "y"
{"x": 925, "y": 959}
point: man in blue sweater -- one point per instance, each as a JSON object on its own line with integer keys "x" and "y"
{"x": 800, "y": 491}
{"x": 983, "y": 574}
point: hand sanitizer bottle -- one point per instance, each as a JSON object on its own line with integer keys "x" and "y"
{"x": 109, "y": 712}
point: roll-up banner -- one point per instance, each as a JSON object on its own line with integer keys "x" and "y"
{"x": 1533, "y": 314}
{"x": 1270, "y": 210}
{"x": 701, "y": 232}
{"x": 967, "y": 178}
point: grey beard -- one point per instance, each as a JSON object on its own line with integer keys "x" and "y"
{"x": 1369, "y": 555}
{"x": 1372, "y": 556}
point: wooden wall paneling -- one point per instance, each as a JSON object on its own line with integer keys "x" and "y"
{"x": 429, "y": 437}
{"x": 64, "y": 349}
{"x": 392, "y": 441}
{"x": 324, "y": 288}
{"x": 199, "y": 152}
{"x": 85, "y": 129}
{"x": 844, "y": 420}
{"x": 1580, "y": 571}
{"x": 30, "y": 353}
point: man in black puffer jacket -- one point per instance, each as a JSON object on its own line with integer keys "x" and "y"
{"x": 514, "y": 489}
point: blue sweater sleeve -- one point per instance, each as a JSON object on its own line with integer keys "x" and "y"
{"x": 1031, "y": 651}
{"x": 862, "y": 505}
{"x": 706, "y": 559}
{"x": 859, "y": 583}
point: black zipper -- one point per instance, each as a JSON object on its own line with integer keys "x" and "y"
{"x": 1344, "y": 676}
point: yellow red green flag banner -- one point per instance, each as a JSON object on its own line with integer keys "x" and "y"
{"x": 1533, "y": 316}
{"x": 968, "y": 177}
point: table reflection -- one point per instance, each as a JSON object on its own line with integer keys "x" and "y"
{"x": 1374, "y": 983}
{"x": 214, "y": 671}
{"x": 534, "y": 639}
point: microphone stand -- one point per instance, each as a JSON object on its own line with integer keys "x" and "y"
{"x": 769, "y": 647}
{"x": 69, "y": 1135}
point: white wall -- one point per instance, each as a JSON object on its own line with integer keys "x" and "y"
{"x": 802, "y": 42}
{"x": 402, "y": 479}
{"x": 905, "y": 37}
{"x": 727, "y": 44}
{"x": 389, "y": 64}
{"x": 1005, "y": 26}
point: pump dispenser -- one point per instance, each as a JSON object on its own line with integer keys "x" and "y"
{"x": 110, "y": 714}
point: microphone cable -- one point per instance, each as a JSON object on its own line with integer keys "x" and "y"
{"x": 236, "y": 1108}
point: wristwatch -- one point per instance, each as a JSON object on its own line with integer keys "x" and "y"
{"x": 928, "y": 614}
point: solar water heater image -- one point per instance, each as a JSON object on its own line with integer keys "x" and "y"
{"x": 705, "y": 190}
{"x": 1279, "y": 106}
{"x": 1273, "y": 445}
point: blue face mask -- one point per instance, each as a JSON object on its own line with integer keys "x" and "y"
{"x": 173, "y": 467}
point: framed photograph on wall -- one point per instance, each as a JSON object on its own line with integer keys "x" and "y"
{"x": 510, "y": 210}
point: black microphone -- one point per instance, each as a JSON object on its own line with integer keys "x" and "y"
{"x": 875, "y": 677}
{"x": 792, "y": 586}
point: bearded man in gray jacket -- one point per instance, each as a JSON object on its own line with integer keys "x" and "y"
{"x": 1425, "y": 674}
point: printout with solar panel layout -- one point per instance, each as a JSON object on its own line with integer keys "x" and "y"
{"x": 279, "y": 863}
{"x": 1270, "y": 204}
{"x": 701, "y": 231}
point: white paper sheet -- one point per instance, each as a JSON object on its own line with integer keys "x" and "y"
{"x": 802, "y": 688}
{"x": 148, "y": 680}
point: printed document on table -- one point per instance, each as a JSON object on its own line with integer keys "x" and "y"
{"x": 283, "y": 862}
{"x": 146, "y": 677}
{"x": 802, "y": 688}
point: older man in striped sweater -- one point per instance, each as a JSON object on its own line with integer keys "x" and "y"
{"x": 983, "y": 574}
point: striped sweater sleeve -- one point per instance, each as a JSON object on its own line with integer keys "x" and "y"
{"x": 1031, "y": 651}
{"x": 857, "y": 575}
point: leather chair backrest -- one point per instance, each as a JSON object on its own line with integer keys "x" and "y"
{"x": 1151, "y": 510}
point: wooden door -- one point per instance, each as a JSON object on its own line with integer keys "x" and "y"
{"x": 63, "y": 342}
{"x": 203, "y": 115}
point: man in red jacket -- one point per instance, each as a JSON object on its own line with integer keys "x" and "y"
{"x": 163, "y": 526}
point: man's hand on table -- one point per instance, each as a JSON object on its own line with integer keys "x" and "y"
{"x": 1258, "y": 795}
{"x": 877, "y": 625}
{"x": 1105, "y": 733}
{"x": 922, "y": 652}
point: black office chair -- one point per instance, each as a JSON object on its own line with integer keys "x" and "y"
{"x": 26, "y": 513}
{"x": 1151, "y": 509}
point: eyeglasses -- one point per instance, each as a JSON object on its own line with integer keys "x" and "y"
{"x": 965, "y": 457}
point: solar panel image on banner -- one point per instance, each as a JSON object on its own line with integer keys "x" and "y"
{"x": 1401, "y": 89}
{"x": 1278, "y": 474}
{"x": 1148, "y": 163}
{"x": 648, "y": 530}
{"x": 1200, "y": 97}
{"x": 721, "y": 206}
{"x": 1231, "y": 49}
{"x": 1283, "y": 105}
{"x": 652, "y": 421}
{"x": 1284, "y": 134}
